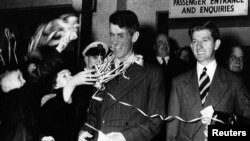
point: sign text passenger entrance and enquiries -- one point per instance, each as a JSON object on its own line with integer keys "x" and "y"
{"x": 207, "y": 8}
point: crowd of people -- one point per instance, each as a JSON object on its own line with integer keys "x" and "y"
{"x": 119, "y": 95}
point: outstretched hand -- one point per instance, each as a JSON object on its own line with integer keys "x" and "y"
{"x": 82, "y": 78}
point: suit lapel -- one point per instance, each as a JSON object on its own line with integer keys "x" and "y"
{"x": 191, "y": 93}
{"x": 219, "y": 85}
{"x": 110, "y": 86}
{"x": 135, "y": 73}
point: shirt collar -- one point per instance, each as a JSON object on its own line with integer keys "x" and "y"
{"x": 159, "y": 59}
{"x": 210, "y": 69}
{"x": 117, "y": 61}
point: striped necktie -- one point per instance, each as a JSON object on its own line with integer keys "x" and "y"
{"x": 204, "y": 85}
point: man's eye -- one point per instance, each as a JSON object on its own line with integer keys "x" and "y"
{"x": 111, "y": 35}
{"x": 194, "y": 42}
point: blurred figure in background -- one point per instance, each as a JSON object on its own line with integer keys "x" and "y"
{"x": 94, "y": 53}
{"x": 16, "y": 112}
{"x": 236, "y": 59}
{"x": 57, "y": 116}
{"x": 49, "y": 41}
{"x": 185, "y": 59}
{"x": 164, "y": 57}
{"x": 162, "y": 49}
{"x": 237, "y": 62}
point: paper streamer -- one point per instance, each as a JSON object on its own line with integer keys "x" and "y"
{"x": 101, "y": 134}
{"x": 161, "y": 117}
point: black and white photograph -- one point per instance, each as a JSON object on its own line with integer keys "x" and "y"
{"x": 124, "y": 70}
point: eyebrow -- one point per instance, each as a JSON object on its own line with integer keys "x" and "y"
{"x": 121, "y": 33}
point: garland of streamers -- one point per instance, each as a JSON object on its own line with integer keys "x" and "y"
{"x": 65, "y": 28}
{"x": 161, "y": 117}
{"x": 9, "y": 35}
{"x": 105, "y": 73}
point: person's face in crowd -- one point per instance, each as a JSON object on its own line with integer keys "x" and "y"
{"x": 236, "y": 60}
{"x": 91, "y": 61}
{"x": 122, "y": 41}
{"x": 63, "y": 78}
{"x": 184, "y": 55}
{"x": 31, "y": 68}
{"x": 17, "y": 78}
{"x": 162, "y": 45}
{"x": 204, "y": 46}
{"x": 13, "y": 80}
{"x": 74, "y": 25}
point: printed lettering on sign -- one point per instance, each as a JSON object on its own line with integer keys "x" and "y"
{"x": 207, "y": 8}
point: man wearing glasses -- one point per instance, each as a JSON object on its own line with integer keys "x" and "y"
{"x": 236, "y": 59}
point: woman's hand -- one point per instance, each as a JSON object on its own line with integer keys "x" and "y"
{"x": 81, "y": 78}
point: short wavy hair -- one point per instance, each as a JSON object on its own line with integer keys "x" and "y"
{"x": 215, "y": 33}
{"x": 125, "y": 19}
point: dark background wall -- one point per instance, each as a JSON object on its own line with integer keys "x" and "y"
{"x": 9, "y": 4}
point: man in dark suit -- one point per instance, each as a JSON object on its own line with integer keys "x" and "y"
{"x": 162, "y": 49}
{"x": 141, "y": 86}
{"x": 192, "y": 92}
{"x": 164, "y": 58}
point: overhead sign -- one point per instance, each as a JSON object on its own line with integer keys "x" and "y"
{"x": 207, "y": 8}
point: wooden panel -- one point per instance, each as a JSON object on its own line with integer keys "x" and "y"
{"x": 162, "y": 22}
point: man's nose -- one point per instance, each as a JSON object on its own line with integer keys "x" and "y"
{"x": 115, "y": 41}
{"x": 23, "y": 80}
{"x": 199, "y": 45}
{"x": 237, "y": 61}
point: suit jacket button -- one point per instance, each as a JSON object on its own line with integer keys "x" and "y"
{"x": 103, "y": 121}
{"x": 126, "y": 123}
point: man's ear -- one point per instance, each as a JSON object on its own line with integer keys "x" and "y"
{"x": 217, "y": 44}
{"x": 135, "y": 36}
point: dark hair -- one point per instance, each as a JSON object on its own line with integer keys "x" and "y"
{"x": 98, "y": 50}
{"x": 215, "y": 33}
{"x": 125, "y": 19}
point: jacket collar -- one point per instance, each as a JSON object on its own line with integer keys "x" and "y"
{"x": 135, "y": 74}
